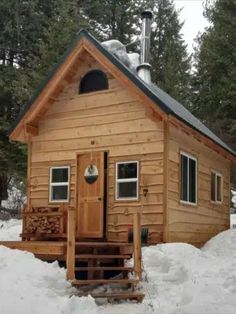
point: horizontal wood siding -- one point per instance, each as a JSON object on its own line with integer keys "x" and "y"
{"x": 189, "y": 223}
{"x": 114, "y": 121}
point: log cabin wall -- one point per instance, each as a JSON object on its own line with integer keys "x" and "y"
{"x": 112, "y": 120}
{"x": 190, "y": 223}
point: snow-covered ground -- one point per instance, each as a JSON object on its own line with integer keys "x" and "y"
{"x": 30, "y": 286}
{"x": 233, "y": 221}
{"x": 178, "y": 279}
{"x": 10, "y": 230}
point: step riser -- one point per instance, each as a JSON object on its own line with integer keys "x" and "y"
{"x": 104, "y": 281}
{"x": 118, "y": 296}
{"x": 103, "y": 244}
{"x": 99, "y": 257}
{"x": 130, "y": 269}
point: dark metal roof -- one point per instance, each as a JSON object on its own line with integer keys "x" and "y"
{"x": 186, "y": 116}
{"x": 164, "y": 101}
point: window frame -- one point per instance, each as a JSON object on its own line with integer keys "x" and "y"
{"x": 52, "y": 184}
{"x": 217, "y": 173}
{"x": 189, "y": 156}
{"x": 117, "y": 198}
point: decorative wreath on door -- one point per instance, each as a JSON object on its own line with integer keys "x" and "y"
{"x": 91, "y": 174}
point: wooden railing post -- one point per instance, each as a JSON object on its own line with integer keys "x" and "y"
{"x": 70, "y": 253}
{"x": 137, "y": 245}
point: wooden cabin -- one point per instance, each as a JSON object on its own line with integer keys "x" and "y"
{"x": 120, "y": 158}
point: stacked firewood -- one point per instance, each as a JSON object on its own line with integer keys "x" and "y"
{"x": 42, "y": 224}
{"x": 44, "y": 209}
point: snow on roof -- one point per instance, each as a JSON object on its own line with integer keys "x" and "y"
{"x": 131, "y": 60}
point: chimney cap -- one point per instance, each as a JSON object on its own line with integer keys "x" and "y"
{"x": 146, "y": 14}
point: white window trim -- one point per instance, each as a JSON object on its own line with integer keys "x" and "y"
{"x": 189, "y": 156}
{"x": 51, "y": 185}
{"x": 221, "y": 188}
{"x": 127, "y": 180}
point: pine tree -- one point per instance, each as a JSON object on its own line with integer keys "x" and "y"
{"x": 12, "y": 155}
{"x": 31, "y": 40}
{"x": 34, "y": 34}
{"x": 214, "y": 83}
{"x": 169, "y": 58}
{"x": 112, "y": 19}
{"x": 61, "y": 27}
{"x": 16, "y": 38}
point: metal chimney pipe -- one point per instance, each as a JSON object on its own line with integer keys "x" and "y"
{"x": 144, "y": 68}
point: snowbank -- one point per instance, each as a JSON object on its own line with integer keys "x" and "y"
{"x": 28, "y": 285}
{"x": 184, "y": 279}
{"x": 222, "y": 245}
{"x": 178, "y": 279}
{"x": 10, "y": 230}
{"x": 181, "y": 279}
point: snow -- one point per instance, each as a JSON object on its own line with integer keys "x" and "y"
{"x": 177, "y": 279}
{"x": 233, "y": 221}
{"x": 29, "y": 285}
{"x": 233, "y": 210}
{"x": 115, "y": 47}
{"x": 16, "y": 198}
{"x": 223, "y": 245}
{"x": 184, "y": 279}
{"x": 134, "y": 59}
{"x": 10, "y": 230}
{"x": 233, "y": 197}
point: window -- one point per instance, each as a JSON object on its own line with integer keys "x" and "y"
{"x": 127, "y": 180}
{"x": 188, "y": 179}
{"x": 94, "y": 80}
{"x": 59, "y": 184}
{"x": 216, "y": 186}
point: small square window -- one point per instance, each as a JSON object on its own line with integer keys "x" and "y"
{"x": 59, "y": 193}
{"x": 59, "y": 184}
{"x": 216, "y": 187}
{"x": 127, "y": 180}
{"x": 59, "y": 175}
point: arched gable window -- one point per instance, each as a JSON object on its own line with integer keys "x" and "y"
{"x": 94, "y": 80}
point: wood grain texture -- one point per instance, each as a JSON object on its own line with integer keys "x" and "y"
{"x": 90, "y": 209}
{"x": 70, "y": 252}
{"x": 115, "y": 121}
{"x": 127, "y": 125}
{"x": 189, "y": 223}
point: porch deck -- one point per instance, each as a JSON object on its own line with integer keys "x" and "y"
{"x": 88, "y": 263}
{"x": 46, "y": 250}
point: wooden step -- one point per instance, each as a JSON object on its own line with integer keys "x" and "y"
{"x": 104, "y": 268}
{"x": 101, "y": 256}
{"x": 124, "y": 295}
{"x": 104, "y": 281}
{"x": 101, "y": 244}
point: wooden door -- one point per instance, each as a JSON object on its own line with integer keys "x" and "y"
{"x": 90, "y": 217}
